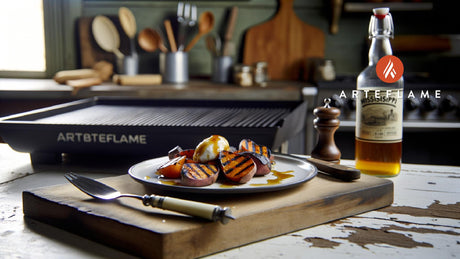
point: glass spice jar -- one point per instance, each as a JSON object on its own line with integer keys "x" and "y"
{"x": 243, "y": 75}
{"x": 261, "y": 73}
{"x": 325, "y": 71}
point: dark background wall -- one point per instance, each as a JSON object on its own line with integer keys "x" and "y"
{"x": 348, "y": 48}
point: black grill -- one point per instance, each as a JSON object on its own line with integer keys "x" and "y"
{"x": 170, "y": 116}
{"x": 124, "y": 126}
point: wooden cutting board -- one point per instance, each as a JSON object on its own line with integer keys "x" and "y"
{"x": 285, "y": 42}
{"x": 154, "y": 233}
{"x": 89, "y": 50}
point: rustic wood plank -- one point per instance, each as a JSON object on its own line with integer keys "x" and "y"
{"x": 285, "y": 42}
{"x": 421, "y": 223}
{"x": 154, "y": 233}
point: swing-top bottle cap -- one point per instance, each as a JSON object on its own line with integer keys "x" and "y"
{"x": 381, "y": 23}
{"x": 381, "y": 12}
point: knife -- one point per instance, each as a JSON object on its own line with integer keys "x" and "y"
{"x": 342, "y": 172}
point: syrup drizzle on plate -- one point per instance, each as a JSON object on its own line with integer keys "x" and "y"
{"x": 279, "y": 177}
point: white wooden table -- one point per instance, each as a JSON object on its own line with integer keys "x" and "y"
{"x": 423, "y": 222}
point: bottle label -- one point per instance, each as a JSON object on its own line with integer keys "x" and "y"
{"x": 379, "y": 115}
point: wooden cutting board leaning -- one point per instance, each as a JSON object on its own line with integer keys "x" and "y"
{"x": 148, "y": 232}
{"x": 90, "y": 52}
{"x": 285, "y": 42}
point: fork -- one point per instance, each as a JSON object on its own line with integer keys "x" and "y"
{"x": 186, "y": 14}
{"x": 187, "y": 18}
{"x": 101, "y": 191}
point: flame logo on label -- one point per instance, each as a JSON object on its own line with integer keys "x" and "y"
{"x": 389, "y": 69}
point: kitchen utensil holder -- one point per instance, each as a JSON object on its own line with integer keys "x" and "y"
{"x": 128, "y": 65}
{"x": 174, "y": 67}
{"x": 222, "y": 69}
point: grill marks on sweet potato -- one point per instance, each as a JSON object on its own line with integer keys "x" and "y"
{"x": 199, "y": 171}
{"x": 195, "y": 174}
{"x": 251, "y": 146}
{"x": 237, "y": 165}
{"x": 237, "y": 168}
{"x": 260, "y": 154}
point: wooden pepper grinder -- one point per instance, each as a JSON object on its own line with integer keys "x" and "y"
{"x": 326, "y": 124}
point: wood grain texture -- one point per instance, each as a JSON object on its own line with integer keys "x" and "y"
{"x": 285, "y": 42}
{"x": 154, "y": 233}
{"x": 144, "y": 79}
{"x": 90, "y": 52}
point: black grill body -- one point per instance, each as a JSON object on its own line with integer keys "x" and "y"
{"x": 124, "y": 126}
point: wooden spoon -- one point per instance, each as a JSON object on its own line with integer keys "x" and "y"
{"x": 149, "y": 40}
{"x": 128, "y": 23}
{"x": 106, "y": 35}
{"x": 205, "y": 25}
{"x": 170, "y": 33}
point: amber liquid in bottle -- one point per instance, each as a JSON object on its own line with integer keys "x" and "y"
{"x": 378, "y": 144}
{"x": 380, "y": 159}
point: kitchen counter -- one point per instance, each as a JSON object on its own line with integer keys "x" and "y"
{"x": 423, "y": 221}
{"x": 194, "y": 89}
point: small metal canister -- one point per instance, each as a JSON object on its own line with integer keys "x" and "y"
{"x": 261, "y": 73}
{"x": 243, "y": 75}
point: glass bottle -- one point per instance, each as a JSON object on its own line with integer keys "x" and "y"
{"x": 378, "y": 142}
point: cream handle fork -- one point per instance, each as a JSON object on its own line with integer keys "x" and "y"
{"x": 199, "y": 209}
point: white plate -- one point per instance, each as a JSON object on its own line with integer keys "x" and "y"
{"x": 294, "y": 170}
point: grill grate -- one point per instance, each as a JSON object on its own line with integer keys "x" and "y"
{"x": 138, "y": 127}
{"x": 170, "y": 116}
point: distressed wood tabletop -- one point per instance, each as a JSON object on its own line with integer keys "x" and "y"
{"x": 423, "y": 221}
